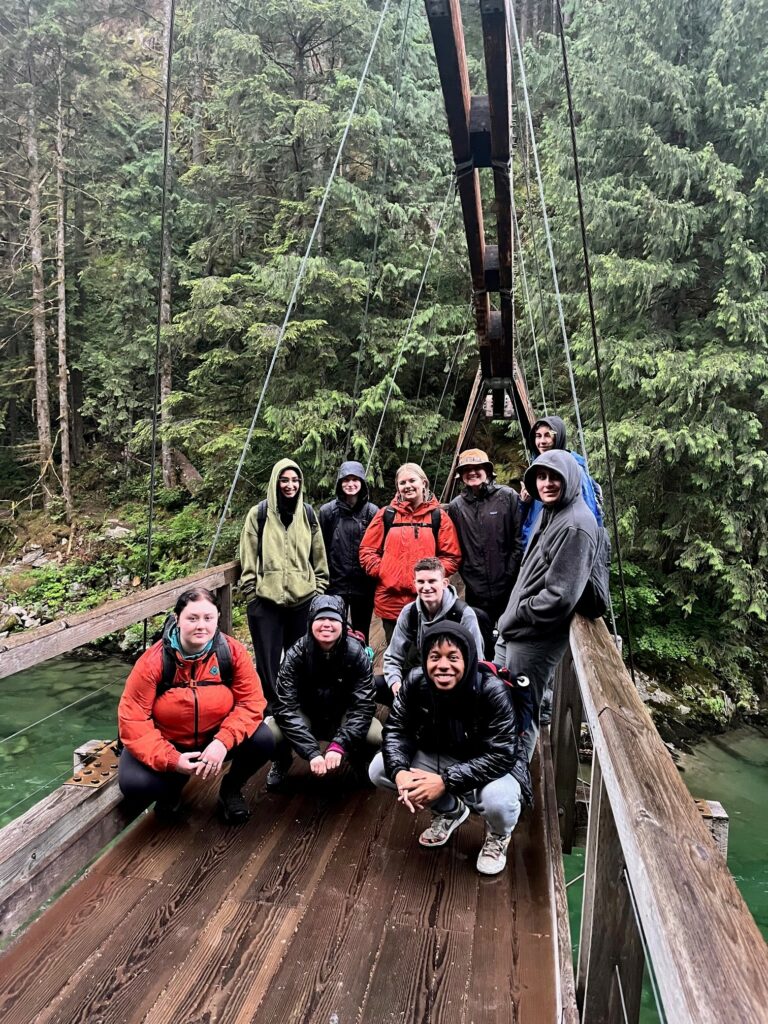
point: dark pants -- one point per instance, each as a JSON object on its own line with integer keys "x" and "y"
{"x": 274, "y": 628}
{"x": 488, "y": 613}
{"x": 389, "y": 628}
{"x": 538, "y": 660}
{"x": 142, "y": 785}
{"x": 359, "y": 611}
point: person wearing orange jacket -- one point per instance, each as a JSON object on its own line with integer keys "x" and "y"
{"x": 412, "y": 527}
{"x": 192, "y": 701}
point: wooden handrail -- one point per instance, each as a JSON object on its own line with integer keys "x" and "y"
{"x": 708, "y": 956}
{"x": 24, "y": 650}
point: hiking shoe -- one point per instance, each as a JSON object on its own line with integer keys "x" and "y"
{"x": 276, "y": 775}
{"x": 493, "y": 856}
{"x": 233, "y": 810}
{"x": 545, "y": 708}
{"x": 170, "y": 812}
{"x": 439, "y": 832}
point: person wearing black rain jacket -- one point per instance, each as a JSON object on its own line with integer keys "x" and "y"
{"x": 556, "y": 567}
{"x": 452, "y": 743}
{"x": 343, "y": 522}
{"x": 324, "y": 691}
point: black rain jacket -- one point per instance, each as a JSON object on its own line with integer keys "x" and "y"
{"x": 488, "y": 525}
{"x": 325, "y": 687}
{"x": 343, "y": 528}
{"x": 475, "y": 723}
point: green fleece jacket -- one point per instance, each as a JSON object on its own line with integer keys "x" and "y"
{"x": 291, "y": 566}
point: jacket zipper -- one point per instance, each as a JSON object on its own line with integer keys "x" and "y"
{"x": 193, "y": 687}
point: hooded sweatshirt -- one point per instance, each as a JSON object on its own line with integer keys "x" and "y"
{"x": 343, "y": 528}
{"x": 590, "y": 490}
{"x": 289, "y": 566}
{"x": 396, "y": 654}
{"x": 475, "y": 722}
{"x": 558, "y": 560}
{"x": 326, "y": 687}
{"x": 390, "y": 560}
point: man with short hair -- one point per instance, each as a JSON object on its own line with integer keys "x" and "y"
{"x": 556, "y": 567}
{"x": 488, "y": 517}
{"x": 435, "y": 600}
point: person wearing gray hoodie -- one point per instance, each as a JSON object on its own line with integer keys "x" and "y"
{"x": 343, "y": 522}
{"x": 533, "y": 630}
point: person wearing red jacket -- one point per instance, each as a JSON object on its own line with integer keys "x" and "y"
{"x": 189, "y": 706}
{"x": 412, "y": 527}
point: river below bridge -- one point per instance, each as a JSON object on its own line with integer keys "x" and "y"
{"x": 731, "y": 768}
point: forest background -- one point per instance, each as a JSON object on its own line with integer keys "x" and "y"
{"x": 672, "y": 110}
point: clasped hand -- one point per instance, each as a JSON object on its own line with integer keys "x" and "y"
{"x": 418, "y": 788}
{"x": 205, "y": 763}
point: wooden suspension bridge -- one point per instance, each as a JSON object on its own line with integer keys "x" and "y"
{"x": 322, "y": 908}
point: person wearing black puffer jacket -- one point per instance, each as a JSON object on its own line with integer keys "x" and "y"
{"x": 343, "y": 522}
{"x": 452, "y": 743}
{"x": 324, "y": 691}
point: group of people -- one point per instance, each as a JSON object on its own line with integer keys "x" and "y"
{"x": 463, "y": 678}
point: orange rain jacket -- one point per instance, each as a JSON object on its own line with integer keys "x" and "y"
{"x": 390, "y": 561}
{"x": 197, "y": 708}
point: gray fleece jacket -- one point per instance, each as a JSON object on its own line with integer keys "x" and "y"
{"x": 403, "y": 638}
{"x": 557, "y": 561}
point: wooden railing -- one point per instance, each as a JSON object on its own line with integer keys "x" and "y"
{"x": 649, "y": 859}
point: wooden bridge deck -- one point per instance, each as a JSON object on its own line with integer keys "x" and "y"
{"x": 322, "y": 909}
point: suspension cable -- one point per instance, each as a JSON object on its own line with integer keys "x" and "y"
{"x": 512, "y": 22}
{"x": 462, "y": 337}
{"x": 158, "y": 325}
{"x": 595, "y": 343}
{"x": 451, "y": 188}
{"x": 299, "y": 278}
{"x": 66, "y": 707}
{"x": 377, "y": 227}
{"x": 526, "y": 294}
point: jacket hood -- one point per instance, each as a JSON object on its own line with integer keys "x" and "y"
{"x": 352, "y": 469}
{"x": 277, "y": 469}
{"x": 554, "y": 423}
{"x": 564, "y": 464}
{"x": 425, "y": 506}
{"x": 327, "y": 603}
{"x": 463, "y": 639}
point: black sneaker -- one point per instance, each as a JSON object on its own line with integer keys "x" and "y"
{"x": 233, "y": 810}
{"x": 276, "y": 775}
{"x": 170, "y": 812}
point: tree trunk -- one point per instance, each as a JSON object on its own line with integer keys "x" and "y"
{"x": 198, "y": 150}
{"x": 75, "y": 374}
{"x": 42, "y": 403}
{"x": 11, "y": 348}
{"x": 61, "y": 295}
{"x": 166, "y": 381}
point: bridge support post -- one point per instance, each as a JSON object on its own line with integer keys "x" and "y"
{"x": 566, "y": 726}
{"x": 224, "y": 595}
{"x": 610, "y": 972}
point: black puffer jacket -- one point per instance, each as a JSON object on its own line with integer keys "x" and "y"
{"x": 488, "y": 525}
{"x": 325, "y": 687}
{"x": 343, "y": 528}
{"x": 475, "y": 723}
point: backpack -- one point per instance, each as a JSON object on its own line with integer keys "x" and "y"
{"x": 360, "y": 637}
{"x": 389, "y": 522}
{"x": 596, "y": 598}
{"x": 454, "y": 614}
{"x": 261, "y": 518}
{"x": 520, "y": 688}
{"x": 220, "y": 648}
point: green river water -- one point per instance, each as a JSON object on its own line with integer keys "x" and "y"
{"x": 732, "y": 768}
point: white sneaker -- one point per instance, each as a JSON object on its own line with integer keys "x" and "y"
{"x": 439, "y": 832}
{"x": 492, "y": 858}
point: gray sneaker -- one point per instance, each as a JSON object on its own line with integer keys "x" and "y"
{"x": 492, "y": 858}
{"x": 443, "y": 824}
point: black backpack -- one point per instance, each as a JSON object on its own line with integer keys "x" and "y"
{"x": 220, "y": 648}
{"x": 454, "y": 614}
{"x": 596, "y": 598}
{"x": 389, "y": 522}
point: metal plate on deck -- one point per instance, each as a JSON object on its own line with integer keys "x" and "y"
{"x": 98, "y": 768}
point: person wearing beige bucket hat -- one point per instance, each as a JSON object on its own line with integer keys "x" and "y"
{"x": 488, "y": 517}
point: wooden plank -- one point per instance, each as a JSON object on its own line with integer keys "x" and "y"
{"x": 33, "y": 646}
{"x": 613, "y": 958}
{"x": 566, "y": 726}
{"x": 567, "y": 1009}
{"x": 709, "y": 958}
{"x": 715, "y": 817}
{"x": 33, "y": 970}
{"x": 224, "y": 595}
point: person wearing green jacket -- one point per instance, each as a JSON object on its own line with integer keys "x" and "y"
{"x": 284, "y": 565}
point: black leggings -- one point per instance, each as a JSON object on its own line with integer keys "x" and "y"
{"x": 274, "y": 628}
{"x": 141, "y": 784}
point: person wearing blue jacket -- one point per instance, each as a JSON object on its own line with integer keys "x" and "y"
{"x": 547, "y": 434}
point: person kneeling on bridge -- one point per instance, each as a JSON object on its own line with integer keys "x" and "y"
{"x": 324, "y": 691}
{"x": 451, "y": 743}
{"x": 436, "y": 600}
{"x": 193, "y": 700}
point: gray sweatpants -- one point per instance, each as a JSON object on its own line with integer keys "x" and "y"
{"x": 498, "y": 802}
{"x": 538, "y": 660}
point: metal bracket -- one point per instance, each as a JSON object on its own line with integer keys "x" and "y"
{"x": 97, "y": 766}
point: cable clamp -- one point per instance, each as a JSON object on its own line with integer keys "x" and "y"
{"x": 503, "y": 167}
{"x": 464, "y": 168}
